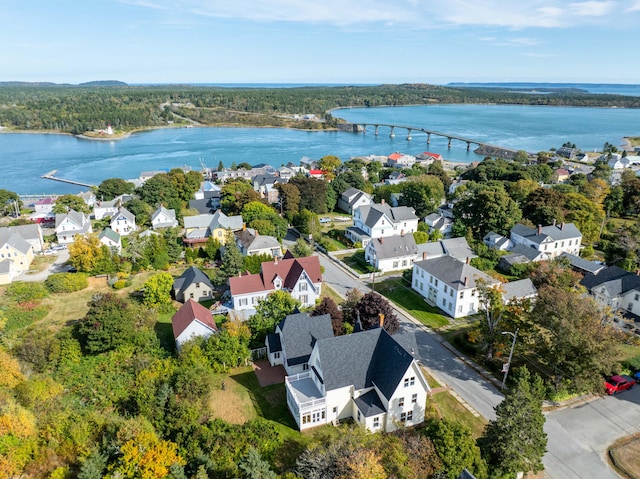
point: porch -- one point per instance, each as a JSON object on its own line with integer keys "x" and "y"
{"x": 305, "y": 401}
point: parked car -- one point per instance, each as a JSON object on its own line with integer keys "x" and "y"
{"x": 618, "y": 383}
{"x": 636, "y": 376}
{"x": 325, "y": 219}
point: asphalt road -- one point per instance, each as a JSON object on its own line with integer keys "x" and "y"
{"x": 578, "y": 436}
{"x": 58, "y": 266}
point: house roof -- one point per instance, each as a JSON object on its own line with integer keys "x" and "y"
{"x": 76, "y": 217}
{"x": 214, "y": 221}
{"x": 522, "y": 288}
{"x": 170, "y": 214}
{"x": 190, "y": 276}
{"x": 110, "y": 235}
{"x": 273, "y": 342}
{"x": 251, "y": 241}
{"x": 558, "y": 232}
{"x": 454, "y": 272}
{"x": 528, "y": 252}
{"x": 495, "y": 239}
{"x": 128, "y": 215}
{"x": 583, "y": 264}
{"x": 189, "y": 312}
{"x": 13, "y": 239}
{"x": 458, "y": 248}
{"x": 370, "y": 405}
{"x": 362, "y": 360}
{"x": 370, "y": 214}
{"x": 615, "y": 280}
{"x": 300, "y": 332}
{"x": 394, "y": 246}
{"x": 288, "y": 270}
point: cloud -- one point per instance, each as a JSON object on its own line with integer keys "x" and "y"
{"x": 511, "y": 42}
{"x": 411, "y": 13}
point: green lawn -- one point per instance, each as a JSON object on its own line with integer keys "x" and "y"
{"x": 357, "y": 262}
{"x": 443, "y": 404}
{"x": 330, "y": 293}
{"x": 411, "y": 302}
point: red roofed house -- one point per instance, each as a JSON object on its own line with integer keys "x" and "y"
{"x": 400, "y": 160}
{"x": 316, "y": 174}
{"x": 191, "y": 321}
{"x": 299, "y": 276}
{"x": 560, "y": 175}
{"x": 428, "y": 157}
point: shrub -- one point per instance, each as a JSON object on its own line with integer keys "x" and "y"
{"x": 120, "y": 284}
{"x": 22, "y": 292}
{"x": 22, "y": 315}
{"x": 66, "y": 282}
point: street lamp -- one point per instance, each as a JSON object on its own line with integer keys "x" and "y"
{"x": 506, "y": 367}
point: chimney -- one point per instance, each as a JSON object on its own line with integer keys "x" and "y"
{"x": 424, "y": 255}
{"x": 554, "y": 221}
{"x": 382, "y": 201}
{"x": 539, "y": 230}
{"x": 381, "y": 239}
{"x": 466, "y": 280}
{"x": 381, "y": 316}
{"x": 244, "y": 226}
{"x": 401, "y": 232}
{"x": 468, "y": 260}
{"x": 275, "y": 260}
{"x": 562, "y": 225}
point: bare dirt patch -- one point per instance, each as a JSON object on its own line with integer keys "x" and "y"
{"x": 232, "y": 404}
{"x": 625, "y": 456}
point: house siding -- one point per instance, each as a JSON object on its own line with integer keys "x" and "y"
{"x": 194, "y": 330}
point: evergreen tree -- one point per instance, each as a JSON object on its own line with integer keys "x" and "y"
{"x": 515, "y": 441}
{"x": 232, "y": 258}
{"x": 254, "y": 467}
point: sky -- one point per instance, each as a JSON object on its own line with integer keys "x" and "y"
{"x": 322, "y": 41}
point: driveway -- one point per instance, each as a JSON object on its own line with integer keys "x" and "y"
{"x": 57, "y": 266}
{"x": 578, "y": 436}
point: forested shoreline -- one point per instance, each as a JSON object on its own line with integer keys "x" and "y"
{"x": 79, "y": 109}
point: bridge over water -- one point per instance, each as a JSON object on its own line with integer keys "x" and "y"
{"x": 450, "y": 137}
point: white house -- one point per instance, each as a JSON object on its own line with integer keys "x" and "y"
{"x": 163, "y": 218}
{"x": 293, "y": 340}
{"x": 552, "y": 240}
{"x": 70, "y": 224}
{"x": 439, "y": 222}
{"x": 381, "y": 220}
{"x": 400, "y": 160}
{"x": 367, "y": 376}
{"x": 616, "y": 288}
{"x": 301, "y": 277}
{"x": 449, "y": 284}
{"x": 191, "y": 321}
{"x": 353, "y": 199}
{"x": 497, "y": 241}
{"x": 392, "y": 253}
{"x": 106, "y": 209}
{"x": 251, "y": 243}
{"x": 123, "y": 222}
{"x": 111, "y": 239}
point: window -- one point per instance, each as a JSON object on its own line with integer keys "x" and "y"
{"x": 473, "y": 292}
{"x": 304, "y": 299}
{"x": 450, "y": 306}
{"x": 243, "y": 302}
{"x": 410, "y": 416}
{"x": 404, "y": 262}
{"x": 637, "y": 297}
{"x": 451, "y": 292}
{"x": 191, "y": 295}
{"x": 414, "y": 398}
{"x": 460, "y": 309}
{"x": 422, "y": 273}
{"x": 436, "y": 282}
{"x": 305, "y": 367}
{"x": 444, "y": 302}
{"x": 403, "y": 417}
{"x": 197, "y": 285}
{"x": 359, "y": 415}
{"x": 401, "y": 402}
{"x": 461, "y": 294}
{"x": 303, "y": 286}
{"x": 276, "y": 355}
{"x": 376, "y": 422}
{"x": 431, "y": 279}
{"x": 395, "y": 264}
{"x": 409, "y": 381}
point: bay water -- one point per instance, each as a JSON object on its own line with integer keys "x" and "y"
{"x": 25, "y": 157}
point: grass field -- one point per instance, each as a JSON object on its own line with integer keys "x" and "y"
{"x": 412, "y": 302}
{"x": 327, "y": 291}
{"x": 357, "y": 262}
{"x": 624, "y": 456}
{"x": 443, "y": 404}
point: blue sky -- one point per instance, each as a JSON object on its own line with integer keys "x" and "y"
{"x": 322, "y": 41}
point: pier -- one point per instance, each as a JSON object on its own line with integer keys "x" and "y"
{"x": 481, "y": 145}
{"x": 51, "y": 176}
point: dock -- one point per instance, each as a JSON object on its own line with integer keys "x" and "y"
{"x": 51, "y": 176}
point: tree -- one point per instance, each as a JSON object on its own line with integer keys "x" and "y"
{"x": 269, "y": 312}
{"x": 231, "y": 258}
{"x": 543, "y": 205}
{"x": 307, "y": 223}
{"x": 141, "y": 210}
{"x": 7, "y": 201}
{"x": 423, "y": 194}
{"x": 574, "y": 337}
{"x": 254, "y": 467}
{"x": 229, "y": 347}
{"x": 492, "y": 305}
{"x": 329, "y": 306}
{"x": 313, "y": 193}
{"x": 614, "y": 202}
{"x": 370, "y": 308}
{"x": 515, "y": 441}
{"x": 235, "y": 194}
{"x": 112, "y": 187}
{"x": 521, "y": 157}
{"x": 89, "y": 255}
{"x": 264, "y": 219}
{"x": 329, "y": 164}
{"x": 421, "y": 237}
{"x": 349, "y": 306}
{"x": 289, "y": 195}
{"x": 156, "y": 292}
{"x": 487, "y": 207}
{"x": 66, "y": 203}
{"x": 111, "y": 322}
{"x": 586, "y": 215}
{"x": 456, "y": 448}
{"x": 253, "y": 263}
{"x": 212, "y": 248}
{"x": 160, "y": 190}
{"x": 301, "y": 249}
{"x": 146, "y": 457}
{"x": 521, "y": 189}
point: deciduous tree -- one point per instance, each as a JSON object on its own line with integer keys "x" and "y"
{"x": 329, "y": 306}
{"x": 231, "y": 258}
{"x": 370, "y": 308}
{"x": 269, "y": 312}
{"x": 65, "y": 203}
{"x": 156, "y": 292}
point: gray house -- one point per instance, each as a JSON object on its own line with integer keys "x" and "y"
{"x": 192, "y": 284}
{"x": 353, "y": 198}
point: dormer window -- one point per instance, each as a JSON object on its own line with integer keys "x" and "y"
{"x": 277, "y": 283}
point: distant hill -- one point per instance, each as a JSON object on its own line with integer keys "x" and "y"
{"x": 103, "y": 83}
{"x": 51, "y": 84}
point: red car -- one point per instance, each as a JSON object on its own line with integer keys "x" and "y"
{"x": 618, "y": 383}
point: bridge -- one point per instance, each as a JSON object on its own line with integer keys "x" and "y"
{"x": 51, "y": 176}
{"x": 481, "y": 144}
